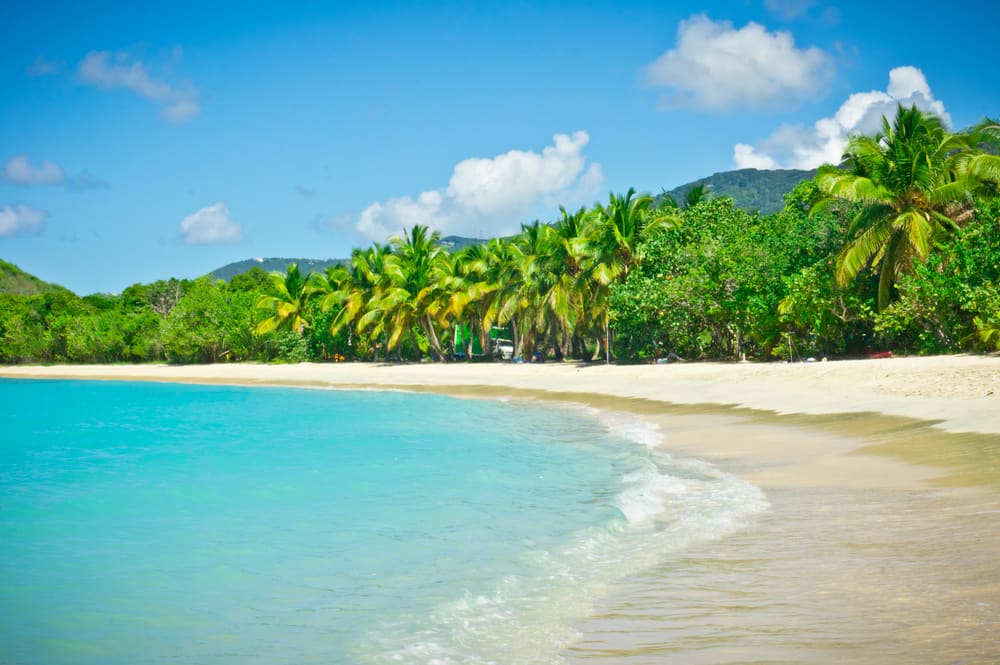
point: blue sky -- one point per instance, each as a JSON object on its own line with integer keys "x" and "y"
{"x": 140, "y": 143}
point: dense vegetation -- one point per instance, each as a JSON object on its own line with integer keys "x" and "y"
{"x": 14, "y": 280}
{"x": 897, "y": 249}
{"x": 752, "y": 190}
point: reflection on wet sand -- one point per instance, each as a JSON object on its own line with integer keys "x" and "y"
{"x": 888, "y": 553}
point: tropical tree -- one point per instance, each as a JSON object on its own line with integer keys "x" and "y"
{"x": 286, "y": 301}
{"x": 914, "y": 184}
{"x": 568, "y": 263}
{"x": 469, "y": 293}
{"x": 618, "y": 229}
{"x": 412, "y": 294}
{"x": 696, "y": 195}
{"x": 506, "y": 266}
{"x": 615, "y": 237}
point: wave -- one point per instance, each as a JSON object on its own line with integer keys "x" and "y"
{"x": 664, "y": 505}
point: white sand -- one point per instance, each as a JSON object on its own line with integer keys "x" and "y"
{"x": 960, "y": 393}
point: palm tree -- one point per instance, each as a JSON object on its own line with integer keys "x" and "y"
{"x": 617, "y": 231}
{"x": 412, "y": 293}
{"x": 503, "y": 295}
{"x": 567, "y": 262}
{"x": 287, "y": 301}
{"x": 469, "y": 292}
{"x": 350, "y": 288}
{"x": 615, "y": 236}
{"x": 914, "y": 182}
{"x": 696, "y": 195}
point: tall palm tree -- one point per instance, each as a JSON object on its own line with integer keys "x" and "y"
{"x": 505, "y": 268}
{"x": 568, "y": 262}
{"x": 618, "y": 229}
{"x": 914, "y": 182}
{"x": 352, "y": 287}
{"x": 469, "y": 292}
{"x": 286, "y": 302}
{"x": 412, "y": 293}
{"x": 616, "y": 234}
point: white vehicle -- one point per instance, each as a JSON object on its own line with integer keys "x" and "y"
{"x": 503, "y": 348}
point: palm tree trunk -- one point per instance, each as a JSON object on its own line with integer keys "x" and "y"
{"x": 428, "y": 326}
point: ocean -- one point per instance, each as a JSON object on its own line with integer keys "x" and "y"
{"x": 154, "y": 522}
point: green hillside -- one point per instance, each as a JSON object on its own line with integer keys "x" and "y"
{"x": 227, "y": 272}
{"x": 15, "y": 281}
{"x": 752, "y": 190}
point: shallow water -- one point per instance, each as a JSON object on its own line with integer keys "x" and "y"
{"x": 157, "y": 522}
{"x": 886, "y": 571}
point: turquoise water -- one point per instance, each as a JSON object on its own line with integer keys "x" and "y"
{"x": 145, "y": 522}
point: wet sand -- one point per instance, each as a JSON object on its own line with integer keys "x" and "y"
{"x": 882, "y": 544}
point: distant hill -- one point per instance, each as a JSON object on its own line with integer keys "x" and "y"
{"x": 456, "y": 243}
{"x": 16, "y": 281}
{"x": 750, "y": 189}
{"x": 227, "y": 272}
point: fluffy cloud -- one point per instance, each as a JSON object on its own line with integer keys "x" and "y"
{"x": 21, "y": 219}
{"x": 714, "y": 66}
{"x": 800, "y": 147}
{"x": 211, "y": 226}
{"x": 492, "y": 196}
{"x": 104, "y": 70}
{"x": 19, "y": 171}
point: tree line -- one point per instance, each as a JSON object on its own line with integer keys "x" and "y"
{"x": 896, "y": 248}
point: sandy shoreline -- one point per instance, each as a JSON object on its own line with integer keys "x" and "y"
{"x": 907, "y": 535}
{"x": 957, "y": 393}
{"x": 775, "y": 424}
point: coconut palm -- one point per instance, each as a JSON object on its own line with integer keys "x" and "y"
{"x": 351, "y": 287}
{"x": 697, "y": 194}
{"x": 286, "y": 302}
{"x": 412, "y": 293}
{"x": 566, "y": 260}
{"x": 503, "y": 295}
{"x": 469, "y": 292}
{"x": 617, "y": 232}
{"x": 914, "y": 183}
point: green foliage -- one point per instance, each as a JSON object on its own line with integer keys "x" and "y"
{"x": 752, "y": 190}
{"x": 913, "y": 184}
{"x": 952, "y": 301}
{"x": 15, "y": 281}
{"x": 711, "y": 287}
{"x": 210, "y": 324}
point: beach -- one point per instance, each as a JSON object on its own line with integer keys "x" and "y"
{"x": 883, "y": 478}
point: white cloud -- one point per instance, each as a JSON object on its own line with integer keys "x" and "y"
{"x": 492, "y": 196}
{"x": 102, "y": 70}
{"x": 211, "y": 226}
{"x": 800, "y": 147}
{"x": 19, "y": 171}
{"x": 21, "y": 219}
{"x": 714, "y": 66}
